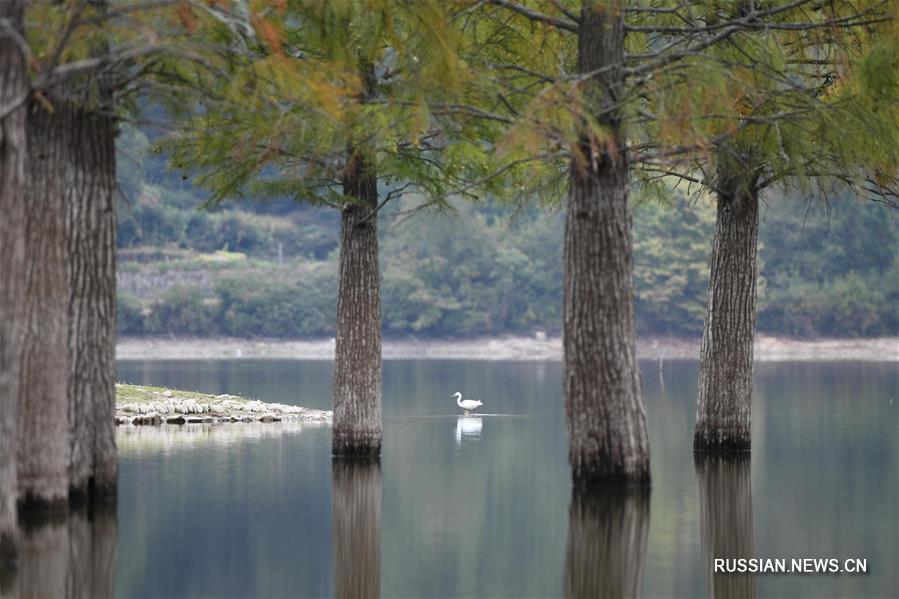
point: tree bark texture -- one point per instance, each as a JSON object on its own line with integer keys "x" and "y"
{"x": 357, "y": 368}
{"x": 607, "y": 536}
{"x": 356, "y": 526}
{"x": 725, "y": 514}
{"x": 606, "y": 420}
{"x": 44, "y": 437}
{"x": 13, "y": 85}
{"x": 91, "y": 228}
{"x": 724, "y": 405}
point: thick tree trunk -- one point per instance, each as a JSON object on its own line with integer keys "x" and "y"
{"x": 13, "y": 86}
{"x": 91, "y": 227}
{"x": 724, "y": 406}
{"x": 356, "y": 526}
{"x": 606, "y": 420}
{"x": 43, "y": 446}
{"x": 725, "y": 513}
{"x": 607, "y": 535}
{"x": 357, "y": 368}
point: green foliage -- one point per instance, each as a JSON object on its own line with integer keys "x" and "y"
{"x": 271, "y": 304}
{"x": 129, "y": 313}
{"x": 672, "y": 245}
{"x": 182, "y": 311}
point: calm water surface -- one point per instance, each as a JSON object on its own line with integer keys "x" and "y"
{"x": 484, "y": 506}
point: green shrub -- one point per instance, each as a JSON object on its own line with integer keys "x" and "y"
{"x": 181, "y": 311}
{"x": 129, "y": 315}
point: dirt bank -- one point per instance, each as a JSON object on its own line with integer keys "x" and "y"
{"x": 767, "y": 349}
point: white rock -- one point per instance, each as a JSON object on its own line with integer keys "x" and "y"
{"x": 167, "y": 393}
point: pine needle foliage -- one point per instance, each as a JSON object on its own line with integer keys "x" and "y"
{"x": 307, "y": 83}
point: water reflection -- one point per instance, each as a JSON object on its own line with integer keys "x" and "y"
{"x": 70, "y": 556}
{"x": 607, "y": 533}
{"x": 725, "y": 513}
{"x": 468, "y": 427}
{"x": 356, "y": 526}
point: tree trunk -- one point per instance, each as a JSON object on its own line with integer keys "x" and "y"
{"x": 91, "y": 227}
{"x": 725, "y": 514}
{"x": 724, "y": 406}
{"x": 13, "y": 85}
{"x": 43, "y": 445}
{"x": 356, "y": 526}
{"x": 607, "y": 536}
{"x": 357, "y": 368}
{"x": 606, "y": 420}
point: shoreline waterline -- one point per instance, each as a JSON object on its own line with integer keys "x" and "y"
{"x": 508, "y": 348}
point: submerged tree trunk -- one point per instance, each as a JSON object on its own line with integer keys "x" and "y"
{"x": 725, "y": 515}
{"x": 13, "y": 87}
{"x": 91, "y": 227}
{"x": 43, "y": 445}
{"x": 357, "y": 368}
{"x": 607, "y": 535}
{"x": 606, "y": 420}
{"x": 724, "y": 406}
{"x": 356, "y": 526}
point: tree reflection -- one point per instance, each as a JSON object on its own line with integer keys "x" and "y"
{"x": 725, "y": 513}
{"x": 356, "y": 526}
{"x": 607, "y": 532}
{"x": 64, "y": 556}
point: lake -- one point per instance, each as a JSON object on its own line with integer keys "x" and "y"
{"x": 483, "y": 506}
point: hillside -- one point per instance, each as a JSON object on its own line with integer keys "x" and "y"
{"x": 268, "y": 268}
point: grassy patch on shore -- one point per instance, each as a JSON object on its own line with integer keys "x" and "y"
{"x": 126, "y": 393}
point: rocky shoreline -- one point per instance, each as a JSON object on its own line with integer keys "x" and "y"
{"x": 140, "y": 405}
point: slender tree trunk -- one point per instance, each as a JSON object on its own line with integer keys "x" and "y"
{"x": 43, "y": 445}
{"x": 91, "y": 227}
{"x": 356, "y": 526}
{"x": 606, "y": 420}
{"x": 607, "y": 535}
{"x": 725, "y": 514}
{"x": 724, "y": 406}
{"x": 357, "y": 368}
{"x": 13, "y": 86}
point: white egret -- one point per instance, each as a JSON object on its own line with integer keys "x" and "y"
{"x": 469, "y": 405}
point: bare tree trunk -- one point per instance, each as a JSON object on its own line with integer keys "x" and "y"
{"x": 724, "y": 406}
{"x": 357, "y": 368}
{"x": 356, "y": 526}
{"x": 43, "y": 446}
{"x": 91, "y": 227}
{"x": 606, "y": 420}
{"x": 13, "y": 87}
{"x": 607, "y": 535}
{"x": 725, "y": 513}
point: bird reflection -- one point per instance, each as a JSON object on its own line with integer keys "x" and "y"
{"x": 607, "y": 533}
{"x": 725, "y": 512}
{"x": 64, "y": 556}
{"x": 468, "y": 427}
{"x": 356, "y": 526}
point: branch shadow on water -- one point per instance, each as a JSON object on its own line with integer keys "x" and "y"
{"x": 725, "y": 513}
{"x": 356, "y": 526}
{"x": 64, "y": 555}
{"x": 607, "y": 535}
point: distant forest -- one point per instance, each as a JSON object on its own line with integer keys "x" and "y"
{"x": 829, "y": 267}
